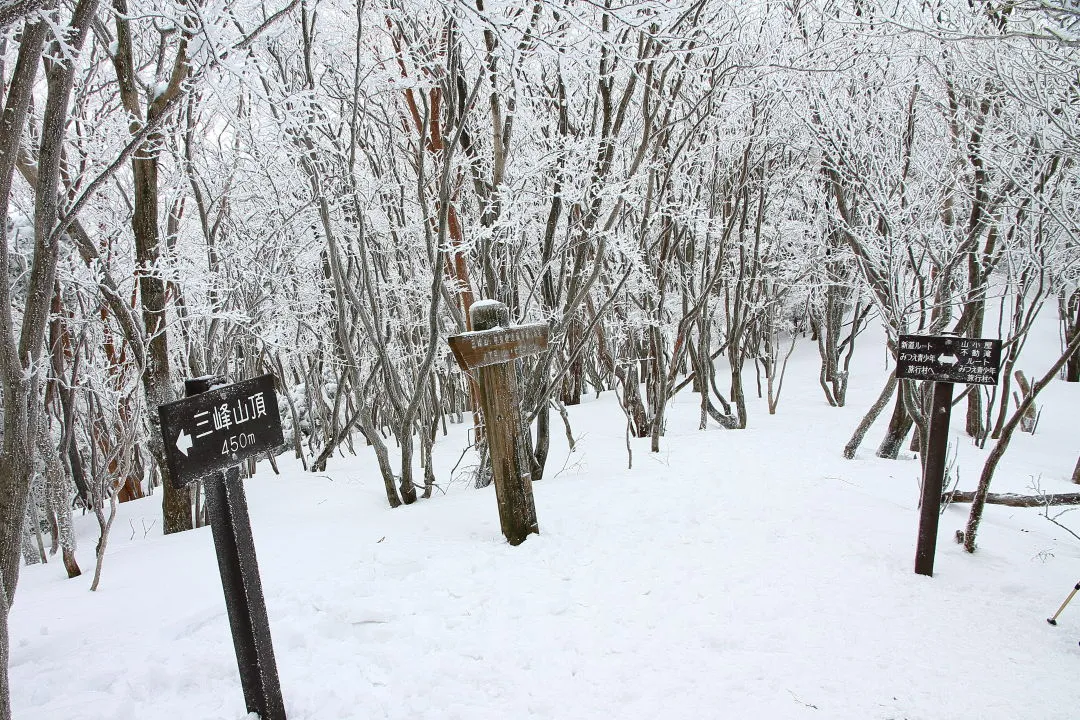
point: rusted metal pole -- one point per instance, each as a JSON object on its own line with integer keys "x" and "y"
{"x": 500, "y": 404}
{"x": 933, "y": 478}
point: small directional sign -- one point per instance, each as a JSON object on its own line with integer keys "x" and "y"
{"x": 481, "y": 348}
{"x": 490, "y": 351}
{"x": 944, "y": 360}
{"x": 220, "y": 428}
{"x": 948, "y": 359}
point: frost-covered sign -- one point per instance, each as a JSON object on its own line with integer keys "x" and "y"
{"x": 220, "y": 428}
{"x": 944, "y": 358}
{"x": 481, "y": 348}
{"x": 488, "y": 353}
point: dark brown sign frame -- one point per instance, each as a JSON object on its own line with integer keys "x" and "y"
{"x": 947, "y": 358}
{"x": 220, "y": 428}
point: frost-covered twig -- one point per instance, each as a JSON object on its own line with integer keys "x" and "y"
{"x": 1046, "y": 515}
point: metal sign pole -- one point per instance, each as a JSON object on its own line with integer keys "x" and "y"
{"x": 933, "y": 478}
{"x": 226, "y": 506}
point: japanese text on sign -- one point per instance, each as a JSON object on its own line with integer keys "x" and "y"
{"x": 948, "y": 359}
{"x": 230, "y": 414}
{"x": 219, "y": 428}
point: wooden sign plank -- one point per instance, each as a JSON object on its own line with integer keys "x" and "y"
{"x": 481, "y": 348}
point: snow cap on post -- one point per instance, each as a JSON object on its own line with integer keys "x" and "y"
{"x": 489, "y": 314}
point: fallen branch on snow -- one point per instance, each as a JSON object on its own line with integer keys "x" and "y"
{"x": 1014, "y": 499}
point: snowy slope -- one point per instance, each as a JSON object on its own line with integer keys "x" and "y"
{"x": 736, "y": 574}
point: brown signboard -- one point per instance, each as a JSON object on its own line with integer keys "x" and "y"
{"x": 480, "y": 348}
{"x": 487, "y": 354}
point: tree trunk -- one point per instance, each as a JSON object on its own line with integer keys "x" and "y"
{"x": 371, "y": 434}
{"x": 626, "y": 374}
{"x": 406, "y": 486}
{"x": 572, "y": 382}
{"x": 298, "y": 448}
{"x": 1070, "y": 320}
{"x": 871, "y": 416}
{"x": 5, "y": 688}
{"x": 58, "y": 499}
{"x": 542, "y": 445}
{"x": 998, "y": 451}
{"x": 975, "y": 309}
{"x": 105, "y": 526}
{"x": 899, "y": 426}
{"x": 658, "y": 377}
{"x": 157, "y": 384}
{"x": 33, "y": 554}
{"x": 1076, "y": 472}
{"x": 1072, "y": 368}
{"x": 20, "y": 364}
{"x": 156, "y": 378}
{"x": 1027, "y": 423}
{"x": 738, "y": 395}
{"x": 1004, "y": 389}
{"x": 16, "y": 458}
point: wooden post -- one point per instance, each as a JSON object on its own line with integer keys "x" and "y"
{"x": 489, "y": 352}
{"x": 933, "y": 478}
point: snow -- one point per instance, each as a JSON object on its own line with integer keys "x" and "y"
{"x": 487, "y": 306}
{"x": 735, "y": 574}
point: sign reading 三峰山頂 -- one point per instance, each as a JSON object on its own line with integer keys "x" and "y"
{"x": 220, "y": 428}
{"x": 945, "y": 358}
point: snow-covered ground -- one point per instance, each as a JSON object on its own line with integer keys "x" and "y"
{"x": 745, "y": 574}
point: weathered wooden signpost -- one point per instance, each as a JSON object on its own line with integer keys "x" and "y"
{"x": 489, "y": 352}
{"x": 944, "y": 360}
{"x": 207, "y": 435}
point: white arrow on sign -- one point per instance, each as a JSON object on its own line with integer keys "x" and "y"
{"x": 183, "y": 442}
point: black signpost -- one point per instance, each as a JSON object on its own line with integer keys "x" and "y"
{"x": 207, "y": 435}
{"x": 944, "y": 360}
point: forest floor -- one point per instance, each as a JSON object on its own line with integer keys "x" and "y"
{"x": 735, "y": 574}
